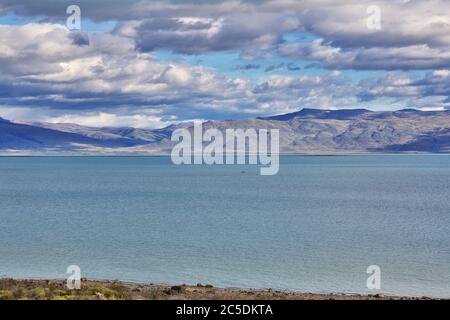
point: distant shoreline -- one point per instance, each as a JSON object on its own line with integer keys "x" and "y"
{"x": 143, "y": 155}
{"x": 16, "y": 289}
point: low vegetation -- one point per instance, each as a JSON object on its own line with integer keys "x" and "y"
{"x": 11, "y": 289}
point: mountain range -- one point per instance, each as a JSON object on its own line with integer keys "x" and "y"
{"x": 306, "y": 131}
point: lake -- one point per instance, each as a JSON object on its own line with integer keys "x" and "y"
{"x": 314, "y": 227}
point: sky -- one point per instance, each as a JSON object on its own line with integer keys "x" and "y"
{"x": 148, "y": 64}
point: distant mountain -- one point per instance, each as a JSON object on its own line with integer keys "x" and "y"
{"x": 320, "y": 114}
{"x": 15, "y": 136}
{"x": 305, "y": 131}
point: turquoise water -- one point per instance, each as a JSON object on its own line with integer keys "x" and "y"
{"x": 315, "y": 227}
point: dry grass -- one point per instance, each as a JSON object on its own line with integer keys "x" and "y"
{"x": 11, "y": 289}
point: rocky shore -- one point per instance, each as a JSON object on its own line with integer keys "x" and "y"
{"x": 11, "y": 289}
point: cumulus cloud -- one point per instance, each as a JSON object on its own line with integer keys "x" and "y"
{"x": 328, "y": 91}
{"x": 43, "y": 65}
{"x": 199, "y": 35}
{"x": 115, "y": 76}
{"x": 392, "y": 85}
{"x": 107, "y": 76}
{"x": 376, "y": 58}
{"x": 429, "y": 92}
{"x": 413, "y": 34}
{"x": 103, "y": 119}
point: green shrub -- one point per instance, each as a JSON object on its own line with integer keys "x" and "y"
{"x": 38, "y": 293}
{"x": 6, "y": 295}
{"x": 19, "y": 293}
{"x": 153, "y": 295}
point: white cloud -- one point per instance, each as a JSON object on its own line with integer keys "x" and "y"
{"x": 44, "y": 63}
{"x": 115, "y": 76}
{"x": 102, "y": 119}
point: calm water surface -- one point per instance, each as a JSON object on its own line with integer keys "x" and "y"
{"x": 316, "y": 226}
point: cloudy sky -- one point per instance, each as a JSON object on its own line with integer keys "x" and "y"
{"x": 149, "y": 63}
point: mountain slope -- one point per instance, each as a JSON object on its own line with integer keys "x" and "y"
{"x": 16, "y": 136}
{"x": 305, "y": 131}
{"x": 320, "y": 114}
